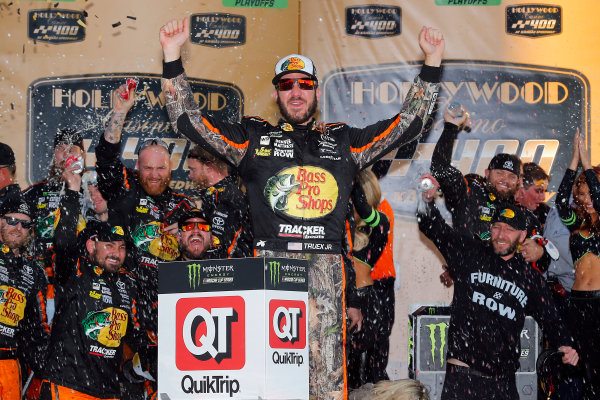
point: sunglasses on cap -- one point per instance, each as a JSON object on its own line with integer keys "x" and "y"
{"x": 12, "y": 221}
{"x": 154, "y": 142}
{"x": 188, "y": 226}
{"x": 283, "y": 85}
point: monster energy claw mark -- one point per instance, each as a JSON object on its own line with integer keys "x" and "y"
{"x": 443, "y": 328}
{"x": 274, "y": 269}
{"x": 194, "y": 275}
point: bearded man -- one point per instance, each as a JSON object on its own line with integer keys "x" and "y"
{"x": 142, "y": 202}
{"x": 494, "y": 292}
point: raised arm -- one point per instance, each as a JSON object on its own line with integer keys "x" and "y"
{"x": 566, "y": 213}
{"x": 65, "y": 236}
{"x": 452, "y": 181}
{"x": 123, "y": 100}
{"x": 228, "y": 141}
{"x": 371, "y": 143}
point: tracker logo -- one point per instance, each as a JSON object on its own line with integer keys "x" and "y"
{"x": 287, "y": 328}
{"x": 210, "y": 333}
{"x": 373, "y": 21}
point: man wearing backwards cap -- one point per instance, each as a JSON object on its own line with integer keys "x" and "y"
{"x": 8, "y": 169}
{"x": 95, "y": 311}
{"x": 472, "y": 200}
{"x": 23, "y": 325}
{"x": 494, "y": 291}
{"x": 298, "y": 175}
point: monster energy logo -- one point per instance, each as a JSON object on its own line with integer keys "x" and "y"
{"x": 432, "y": 329}
{"x": 275, "y": 269}
{"x": 194, "y": 274}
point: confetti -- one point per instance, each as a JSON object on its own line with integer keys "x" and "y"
{"x": 116, "y": 24}
{"x": 80, "y": 22}
{"x": 55, "y": 5}
{"x": 12, "y": 106}
{"x": 18, "y": 11}
{"x": 23, "y": 49}
{"x": 130, "y": 17}
{"x": 10, "y": 4}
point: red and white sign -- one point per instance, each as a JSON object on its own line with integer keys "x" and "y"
{"x": 210, "y": 333}
{"x": 288, "y": 324}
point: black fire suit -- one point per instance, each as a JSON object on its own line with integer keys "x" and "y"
{"x": 226, "y": 206}
{"x": 43, "y": 199}
{"x": 24, "y": 329}
{"x": 95, "y": 315}
{"x": 144, "y": 217}
{"x": 469, "y": 199}
{"x": 491, "y": 298}
{"x": 298, "y": 180}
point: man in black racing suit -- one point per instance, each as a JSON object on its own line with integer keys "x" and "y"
{"x": 224, "y": 203}
{"x": 142, "y": 202}
{"x": 299, "y": 177}
{"x": 96, "y": 311}
{"x": 493, "y": 294}
{"x": 23, "y": 323}
{"x": 472, "y": 199}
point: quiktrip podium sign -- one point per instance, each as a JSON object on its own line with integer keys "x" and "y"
{"x": 234, "y": 329}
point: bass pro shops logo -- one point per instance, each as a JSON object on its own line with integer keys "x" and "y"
{"x": 288, "y": 324}
{"x": 302, "y": 192}
{"x": 56, "y": 26}
{"x": 210, "y": 333}
{"x": 373, "y": 21}
{"x": 533, "y": 20}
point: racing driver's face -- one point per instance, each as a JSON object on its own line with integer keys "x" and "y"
{"x": 297, "y": 105}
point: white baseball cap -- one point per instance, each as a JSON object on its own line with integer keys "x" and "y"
{"x": 294, "y": 63}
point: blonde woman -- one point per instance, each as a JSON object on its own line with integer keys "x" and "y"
{"x": 368, "y": 355}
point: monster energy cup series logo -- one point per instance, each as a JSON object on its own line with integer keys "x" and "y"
{"x": 442, "y": 349}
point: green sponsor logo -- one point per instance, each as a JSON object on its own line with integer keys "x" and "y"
{"x": 256, "y": 3}
{"x": 468, "y": 2}
{"x": 432, "y": 330}
{"x": 275, "y": 271}
{"x": 194, "y": 275}
{"x": 145, "y": 234}
{"x": 94, "y": 322}
{"x": 410, "y": 342}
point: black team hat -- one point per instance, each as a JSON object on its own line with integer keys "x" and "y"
{"x": 7, "y": 155}
{"x": 508, "y": 162}
{"x": 105, "y": 232}
{"x": 15, "y": 205}
{"x": 192, "y": 213}
{"x": 512, "y": 215}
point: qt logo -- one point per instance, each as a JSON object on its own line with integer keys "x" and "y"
{"x": 210, "y": 333}
{"x": 287, "y": 328}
